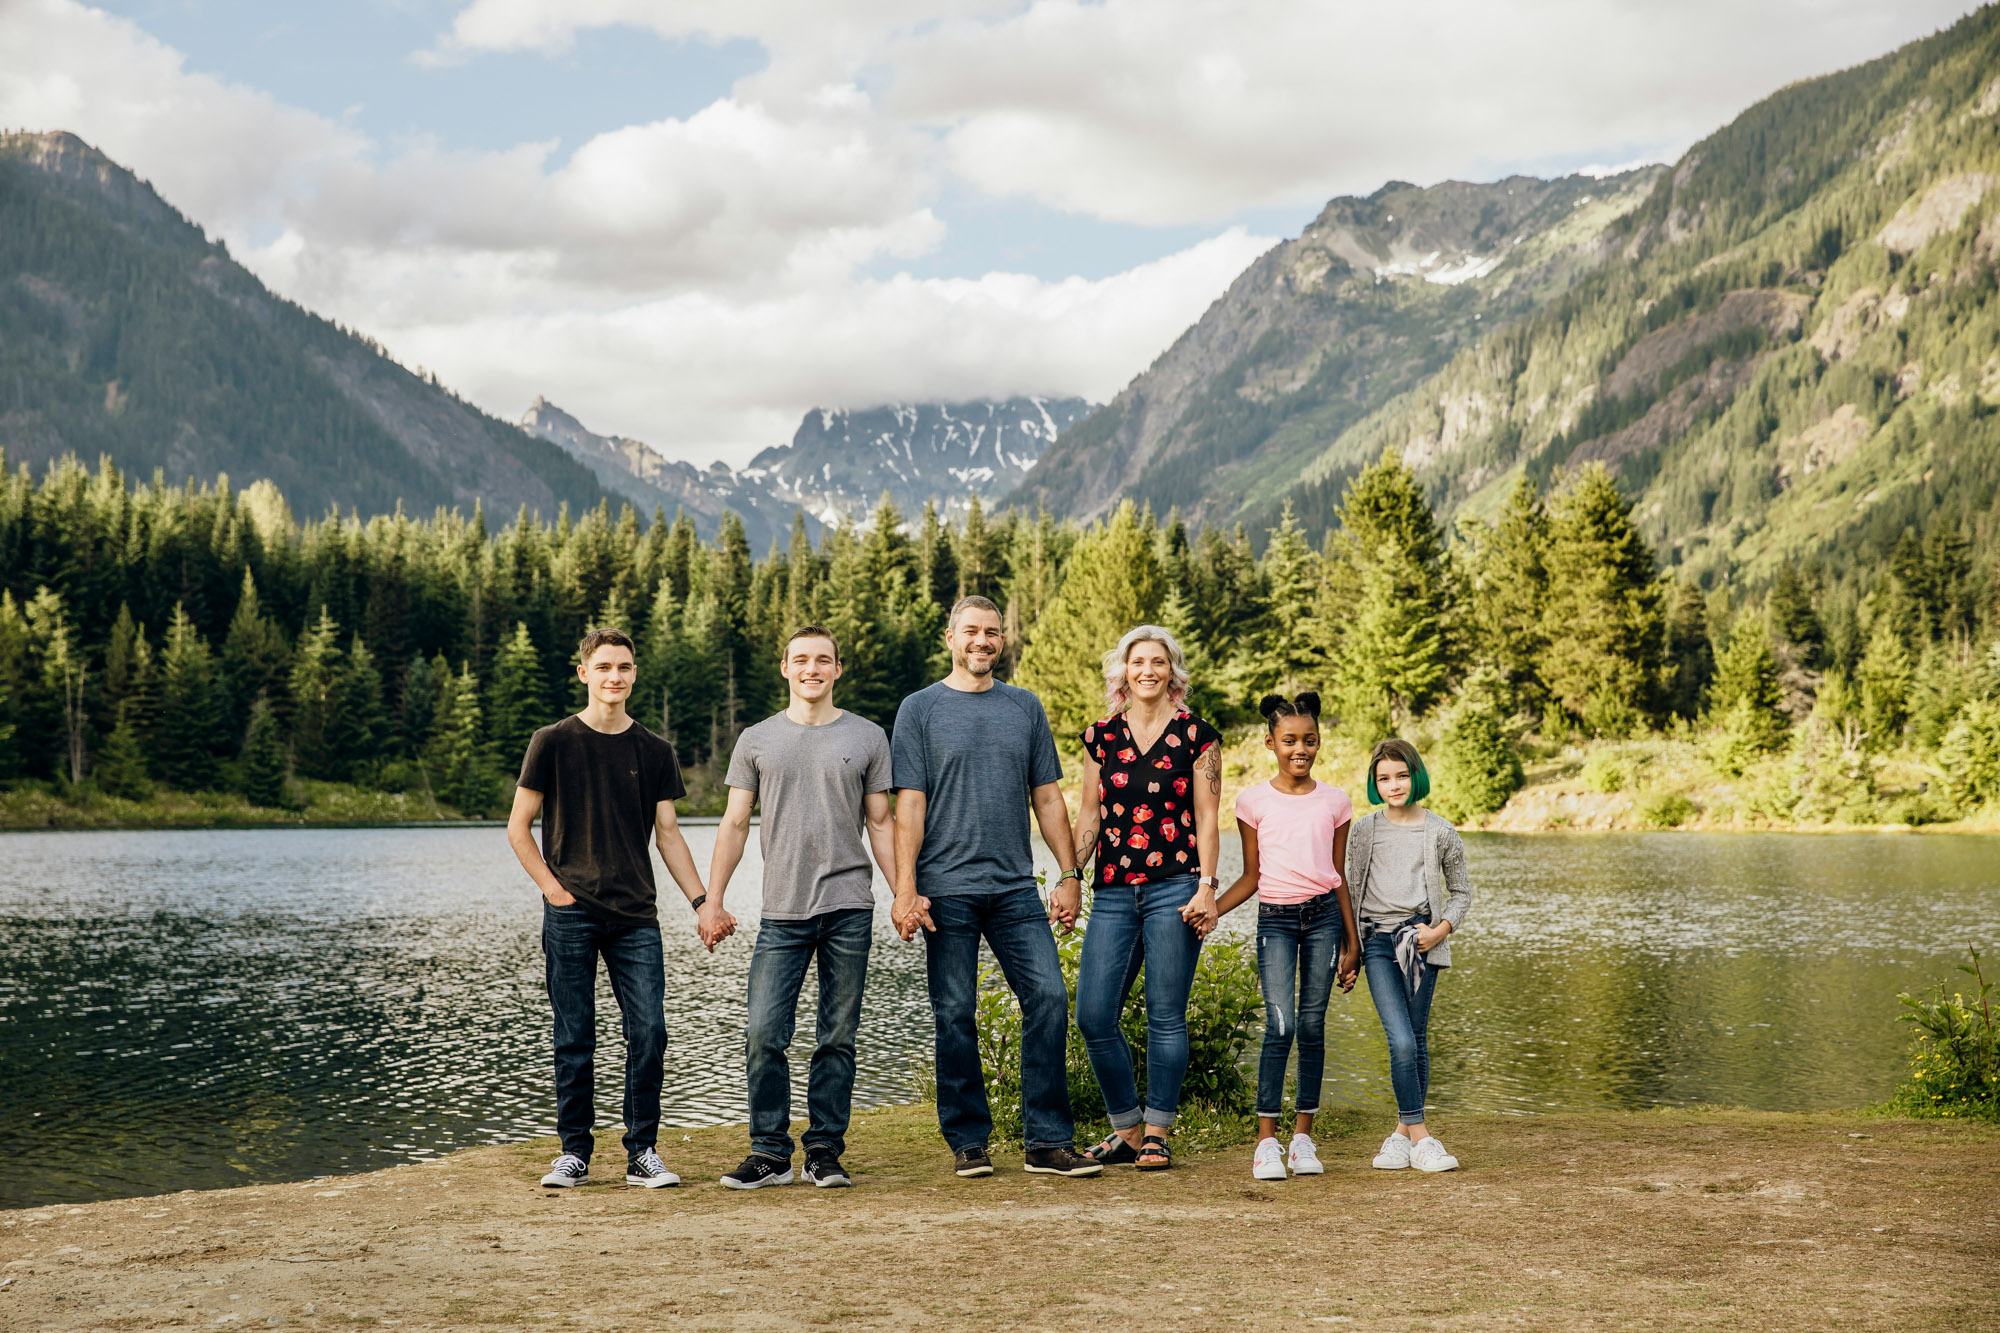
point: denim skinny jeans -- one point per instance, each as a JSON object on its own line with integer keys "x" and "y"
{"x": 572, "y": 942}
{"x": 1297, "y": 946}
{"x": 1130, "y": 925}
{"x": 1016, "y": 928}
{"x": 838, "y": 942}
{"x": 1405, "y": 1021}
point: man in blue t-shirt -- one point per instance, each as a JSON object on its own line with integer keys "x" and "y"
{"x": 967, "y": 754}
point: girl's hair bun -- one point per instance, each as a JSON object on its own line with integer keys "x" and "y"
{"x": 1307, "y": 702}
{"x": 1273, "y": 704}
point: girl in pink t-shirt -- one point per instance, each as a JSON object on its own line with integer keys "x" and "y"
{"x": 1294, "y": 842}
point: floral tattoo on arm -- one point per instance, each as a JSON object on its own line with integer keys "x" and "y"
{"x": 1210, "y": 766}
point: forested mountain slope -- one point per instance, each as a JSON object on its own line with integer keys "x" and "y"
{"x": 1797, "y": 352}
{"x": 1369, "y": 301}
{"x": 125, "y": 333}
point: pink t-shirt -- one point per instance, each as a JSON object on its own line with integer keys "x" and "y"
{"x": 1294, "y": 839}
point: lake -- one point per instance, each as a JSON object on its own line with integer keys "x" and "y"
{"x": 211, "y": 1008}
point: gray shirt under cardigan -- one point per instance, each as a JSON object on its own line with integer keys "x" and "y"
{"x": 1445, "y": 880}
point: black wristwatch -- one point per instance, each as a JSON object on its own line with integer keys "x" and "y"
{"x": 695, "y": 903}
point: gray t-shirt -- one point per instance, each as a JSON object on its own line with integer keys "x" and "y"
{"x": 1396, "y": 874}
{"x": 976, "y": 757}
{"x": 811, "y": 782}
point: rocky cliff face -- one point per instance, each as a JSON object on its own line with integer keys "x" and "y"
{"x": 842, "y": 462}
{"x": 1367, "y": 302}
{"x": 124, "y": 332}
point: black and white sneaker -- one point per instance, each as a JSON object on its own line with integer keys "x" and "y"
{"x": 972, "y": 1161}
{"x": 758, "y": 1171}
{"x": 1061, "y": 1161}
{"x": 648, "y": 1172}
{"x": 824, "y": 1170}
{"x": 567, "y": 1170}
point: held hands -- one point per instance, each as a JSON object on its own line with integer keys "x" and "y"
{"x": 713, "y": 925}
{"x": 909, "y": 911}
{"x": 1201, "y": 913}
{"x": 1429, "y": 937}
{"x": 1349, "y": 967}
{"x": 1066, "y": 903}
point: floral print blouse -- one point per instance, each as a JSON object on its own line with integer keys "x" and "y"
{"x": 1145, "y": 806}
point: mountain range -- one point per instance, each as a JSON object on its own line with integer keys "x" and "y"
{"x": 1786, "y": 344}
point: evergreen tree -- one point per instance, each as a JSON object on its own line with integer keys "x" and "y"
{"x": 1479, "y": 768}
{"x": 1794, "y": 623}
{"x": 419, "y": 705}
{"x": 254, "y": 656}
{"x": 315, "y": 684}
{"x": 1689, "y": 656}
{"x": 464, "y": 778}
{"x": 1745, "y": 699}
{"x": 65, "y": 674}
{"x": 263, "y": 771}
{"x": 1510, "y": 588}
{"x": 1602, "y": 622}
{"x": 1284, "y": 652}
{"x": 120, "y": 766}
{"x": 358, "y": 729}
{"x": 191, "y": 719}
{"x": 1113, "y": 582}
{"x": 515, "y": 707}
{"x": 1884, "y": 679}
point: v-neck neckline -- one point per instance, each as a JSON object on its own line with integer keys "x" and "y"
{"x": 1165, "y": 727}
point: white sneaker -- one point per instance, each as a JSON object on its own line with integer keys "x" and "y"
{"x": 1395, "y": 1154}
{"x": 648, "y": 1172}
{"x": 1270, "y": 1163}
{"x": 1429, "y": 1155}
{"x": 567, "y": 1170}
{"x": 1304, "y": 1157}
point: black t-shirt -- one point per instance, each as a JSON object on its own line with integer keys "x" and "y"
{"x": 1145, "y": 806}
{"x": 599, "y": 795}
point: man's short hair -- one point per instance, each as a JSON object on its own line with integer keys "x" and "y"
{"x": 972, "y": 603}
{"x": 812, "y": 632}
{"x": 598, "y": 638}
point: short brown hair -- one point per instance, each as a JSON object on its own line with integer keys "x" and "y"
{"x": 812, "y": 632}
{"x": 598, "y": 638}
{"x": 974, "y": 602}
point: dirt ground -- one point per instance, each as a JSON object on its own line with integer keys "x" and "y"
{"x": 1723, "y": 1220}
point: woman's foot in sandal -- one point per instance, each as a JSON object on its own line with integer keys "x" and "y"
{"x": 1114, "y": 1151}
{"x": 1154, "y": 1155}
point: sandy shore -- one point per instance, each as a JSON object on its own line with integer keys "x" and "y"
{"x": 1722, "y": 1220}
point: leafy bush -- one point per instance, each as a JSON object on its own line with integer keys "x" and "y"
{"x": 1832, "y": 771}
{"x": 1223, "y": 1010}
{"x": 1955, "y": 1062}
{"x": 1604, "y": 772}
{"x": 1664, "y": 809}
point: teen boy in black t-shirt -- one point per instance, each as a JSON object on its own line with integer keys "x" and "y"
{"x": 604, "y": 785}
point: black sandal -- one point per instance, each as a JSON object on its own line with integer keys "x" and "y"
{"x": 1114, "y": 1151}
{"x": 1154, "y": 1155}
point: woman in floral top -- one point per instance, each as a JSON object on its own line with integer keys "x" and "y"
{"x": 1152, "y": 787}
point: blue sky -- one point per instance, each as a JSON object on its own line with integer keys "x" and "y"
{"x": 692, "y": 221}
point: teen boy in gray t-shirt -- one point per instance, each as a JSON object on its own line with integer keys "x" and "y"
{"x": 822, "y": 777}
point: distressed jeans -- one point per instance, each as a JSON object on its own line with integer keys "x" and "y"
{"x": 1297, "y": 946}
{"x": 1130, "y": 925}
{"x": 838, "y": 942}
{"x": 1405, "y": 1021}
{"x": 572, "y": 942}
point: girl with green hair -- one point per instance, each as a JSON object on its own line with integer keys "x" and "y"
{"x": 1406, "y": 871}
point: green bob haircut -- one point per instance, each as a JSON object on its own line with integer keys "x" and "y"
{"x": 1404, "y": 753}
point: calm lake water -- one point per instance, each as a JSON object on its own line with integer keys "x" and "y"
{"x": 192, "y": 1009}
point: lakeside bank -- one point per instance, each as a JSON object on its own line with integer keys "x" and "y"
{"x": 1667, "y": 1219}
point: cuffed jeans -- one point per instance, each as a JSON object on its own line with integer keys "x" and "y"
{"x": 1405, "y": 1021}
{"x": 1297, "y": 945}
{"x": 572, "y": 942}
{"x": 839, "y": 942}
{"x": 1130, "y": 925}
{"x": 1016, "y": 927}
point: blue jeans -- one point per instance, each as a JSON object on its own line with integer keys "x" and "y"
{"x": 572, "y": 941}
{"x": 1297, "y": 946}
{"x": 1016, "y": 928}
{"x": 839, "y": 942}
{"x": 1405, "y": 1022}
{"x": 1131, "y": 924}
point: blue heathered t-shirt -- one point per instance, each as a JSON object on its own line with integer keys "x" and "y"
{"x": 976, "y": 758}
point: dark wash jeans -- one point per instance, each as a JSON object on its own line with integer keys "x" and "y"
{"x": 1131, "y": 924}
{"x": 572, "y": 942}
{"x": 1405, "y": 1022}
{"x": 1297, "y": 947}
{"x": 838, "y": 942}
{"x": 1016, "y": 927}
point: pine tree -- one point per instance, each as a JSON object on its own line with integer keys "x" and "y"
{"x": 1510, "y": 588}
{"x": 515, "y": 707}
{"x": 463, "y": 776}
{"x": 315, "y": 683}
{"x": 254, "y": 656}
{"x": 263, "y": 771}
{"x": 1479, "y": 768}
{"x": 1745, "y": 699}
{"x": 358, "y": 729}
{"x": 419, "y": 704}
{"x": 190, "y": 721}
{"x": 1794, "y": 623}
{"x": 1602, "y": 620}
{"x": 1113, "y": 581}
{"x": 1284, "y": 654}
{"x": 120, "y": 766}
{"x": 1884, "y": 678}
{"x": 65, "y": 676}
{"x": 1689, "y": 656}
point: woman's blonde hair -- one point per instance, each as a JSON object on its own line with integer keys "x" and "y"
{"x": 1117, "y": 694}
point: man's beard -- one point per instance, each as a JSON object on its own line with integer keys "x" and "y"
{"x": 977, "y": 666}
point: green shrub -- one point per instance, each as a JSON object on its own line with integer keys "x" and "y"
{"x": 1970, "y": 755}
{"x": 1955, "y": 1060}
{"x": 1224, "y": 1008}
{"x": 1832, "y": 771}
{"x": 1479, "y": 767}
{"x": 1664, "y": 809}
{"x": 1605, "y": 772}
